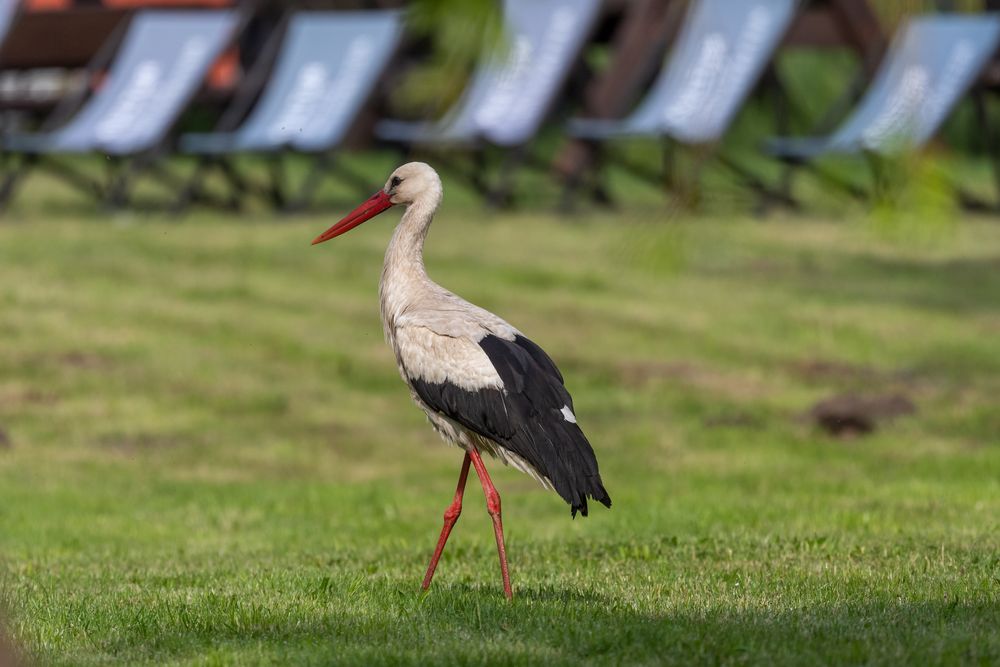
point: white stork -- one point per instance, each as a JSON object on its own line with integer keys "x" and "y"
{"x": 484, "y": 386}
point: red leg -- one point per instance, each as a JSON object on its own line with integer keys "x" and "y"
{"x": 450, "y": 517}
{"x": 493, "y": 507}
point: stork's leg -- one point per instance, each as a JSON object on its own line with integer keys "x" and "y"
{"x": 493, "y": 507}
{"x": 450, "y": 517}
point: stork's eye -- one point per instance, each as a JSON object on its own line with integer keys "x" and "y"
{"x": 396, "y": 180}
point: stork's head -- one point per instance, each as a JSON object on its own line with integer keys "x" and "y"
{"x": 413, "y": 182}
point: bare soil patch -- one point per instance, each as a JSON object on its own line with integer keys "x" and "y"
{"x": 853, "y": 415}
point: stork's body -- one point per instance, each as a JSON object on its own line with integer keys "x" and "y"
{"x": 483, "y": 385}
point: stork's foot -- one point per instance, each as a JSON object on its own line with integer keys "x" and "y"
{"x": 450, "y": 517}
{"x": 493, "y": 507}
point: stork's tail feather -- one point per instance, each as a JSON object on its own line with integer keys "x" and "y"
{"x": 575, "y": 476}
{"x": 597, "y": 492}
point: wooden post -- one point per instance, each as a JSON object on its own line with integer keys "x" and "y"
{"x": 640, "y": 39}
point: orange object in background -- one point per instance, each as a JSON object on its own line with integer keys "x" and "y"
{"x": 225, "y": 71}
{"x": 47, "y": 5}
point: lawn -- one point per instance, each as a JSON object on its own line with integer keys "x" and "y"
{"x": 207, "y": 456}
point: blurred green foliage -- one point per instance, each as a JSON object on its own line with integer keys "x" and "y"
{"x": 892, "y": 12}
{"x": 459, "y": 34}
{"x": 915, "y": 201}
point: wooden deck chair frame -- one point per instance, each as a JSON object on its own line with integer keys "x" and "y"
{"x": 274, "y": 188}
{"x": 488, "y": 166}
{"x": 597, "y": 151}
{"x": 879, "y": 165}
{"x": 114, "y": 190}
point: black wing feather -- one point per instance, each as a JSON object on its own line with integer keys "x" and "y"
{"x": 526, "y": 418}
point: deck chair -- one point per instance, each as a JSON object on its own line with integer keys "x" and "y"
{"x": 720, "y": 54}
{"x": 507, "y": 101}
{"x": 930, "y": 66}
{"x": 328, "y": 65}
{"x": 159, "y": 66}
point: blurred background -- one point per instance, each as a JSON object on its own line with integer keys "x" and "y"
{"x": 539, "y": 104}
{"x": 759, "y": 237}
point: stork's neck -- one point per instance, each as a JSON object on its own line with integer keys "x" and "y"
{"x": 404, "y": 277}
{"x": 406, "y": 248}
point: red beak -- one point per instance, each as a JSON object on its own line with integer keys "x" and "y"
{"x": 374, "y": 205}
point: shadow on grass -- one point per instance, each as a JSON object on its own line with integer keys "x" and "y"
{"x": 381, "y": 620}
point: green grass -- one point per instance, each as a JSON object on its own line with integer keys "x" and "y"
{"x": 212, "y": 459}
